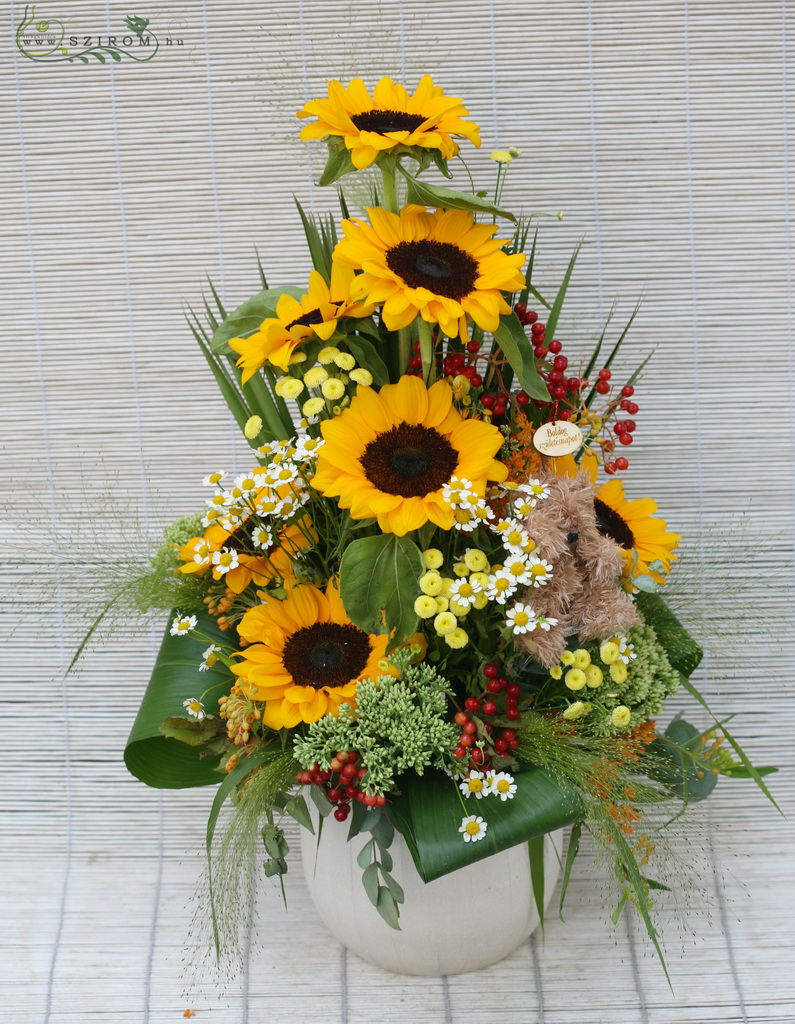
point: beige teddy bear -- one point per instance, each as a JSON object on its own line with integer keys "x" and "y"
{"x": 584, "y": 593}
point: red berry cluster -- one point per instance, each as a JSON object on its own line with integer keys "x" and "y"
{"x": 560, "y": 386}
{"x": 344, "y": 788}
{"x": 623, "y": 429}
{"x": 486, "y": 705}
{"x": 454, "y": 363}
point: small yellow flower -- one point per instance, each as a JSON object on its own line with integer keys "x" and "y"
{"x": 431, "y": 584}
{"x": 459, "y": 608}
{"x": 575, "y": 679}
{"x": 594, "y": 677}
{"x": 425, "y": 606}
{"x": 442, "y": 604}
{"x": 476, "y": 561}
{"x": 457, "y": 639}
{"x": 332, "y": 389}
{"x": 328, "y": 355}
{"x": 501, "y": 156}
{"x": 345, "y": 361}
{"x": 362, "y": 376}
{"x": 576, "y": 710}
{"x": 444, "y": 623}
{"x": 567, "y": 658}
{"x": 313, "y": 406}
{"x": 432, "y": 558}
{"x": 252, "y": 427}
{"x": 556, "y": 672}
{"x": 460, "y": 569}
{"x": 609, "y": 652}
{"x": 582, "y": 659}
{"x": 618, "y": 672}
{"x": 289, "y": 387}
{"x": 315, "y": 377}
{"x": 481, "y": 599}
{"x": 621, "y": 716}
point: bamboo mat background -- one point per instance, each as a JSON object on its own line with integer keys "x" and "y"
{"x": 663, "y": 132}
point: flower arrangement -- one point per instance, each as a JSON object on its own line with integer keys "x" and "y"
{"x": 420, "y": 606}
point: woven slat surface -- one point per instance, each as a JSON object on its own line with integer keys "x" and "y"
{"x": 664, "y": 134}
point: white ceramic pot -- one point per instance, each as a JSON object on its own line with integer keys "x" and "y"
{"x": 461, "y": 922}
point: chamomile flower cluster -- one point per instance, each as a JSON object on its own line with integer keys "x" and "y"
{"x": 470, "y": 509}
{"x": 480, "y": 785}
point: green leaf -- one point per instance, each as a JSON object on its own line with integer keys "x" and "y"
{"x": 366, "y": 355}
{"x": 248, "y": 316}
{"x": 571, "y": 856}
{"x": 321, "y": 801}
{"x": 429, "y": 813}
{"x": 365, "y": 855}
{"x": 387, "y": 907}
{"x": 437, "y": 195}
{"x": 384, "y": 860}
{"x": 370, "y": 883}
{"x": 338, "y": 163}
{"x": 379, "y": 575}
{"x": 513, "y": 341}
{"x": 394, "y": 887}
{"x": 535, "y": 851}
{"x": 750, "y": 768}
{"x": 683, "y": 652}
{"x": 297, "y": 809}
{"x": 274, "y": 867}
{"x": 191, "y": 731}
{"x": 683, "y": 776}
{"x": 149, "y": 755}
{"x": 646, "y": 583}
{"x": 739, "y": 771}
{"x": 316, "y": 239}
{"x": 275, "y": 843}
{"x": 557, "y": 305}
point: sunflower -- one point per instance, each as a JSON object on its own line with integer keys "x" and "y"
{"x": 390, "y": 454}
{"x": 632, "y": 526}
{"x": 439, "y": 265}
{"x": 316, "y": 314}
{"x": 305, "y": 656}
{"x": 392, "y": 118}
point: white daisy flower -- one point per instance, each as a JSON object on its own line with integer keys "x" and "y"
{"x": 201, "y": 552}
{"x": 473, "y": 828}
{"x": 308, "y": 447}
{"x": 225, "y": 560}
{"x": 475, "y": 785}
{"x": 210, "y": 658}
{"x": 626, "y": 650}
{"x": 271, "y": 448}
{"x": 280, "y": 473}
{"x": 518, "y": 567}
{"x": 459, "y": 492}
{"x": 212, "y": 516}
{"x": 214, "y": 478}
{"x": 195, "y": 708}
{"x": 261, "y": 538}
{"x": 540, "y": 571}
{"x": 465, "y": 590}
{"x": 231, "y": 520}
{"x": 246, "y": 483}
{"x": 502, "y": 785}
{"x": 220, "y": 499}
{"x": 183, "y": 624}
{"x": 534, "y": 489}
{"x": 502, "y": 585}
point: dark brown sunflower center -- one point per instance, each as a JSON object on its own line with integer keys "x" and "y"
{"x": 326, "y": 654}
{"x": 440, "y": 267}
{"x": 383, "y": 121}
{"x": 314, "y": 316}
{"x": 610, "y": 524}
{"x": 411, "y": 461}
{"x": 239, "y": 539}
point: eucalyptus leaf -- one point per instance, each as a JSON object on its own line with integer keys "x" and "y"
{"x": 274, "y": 841}
{"x": 321, "y": 801}
{"x": 365, "y": 855}
{"x": 296, "y": 807}
{"x": 370, "y": 883}
{"x": 378, "y": 584}
{"x": 248, "y": 317}
{"x": 394, "y": 887}
{"x": 272, "y": 868}
{"x": 688, "y": 780}
{"x": 387, "y": 907}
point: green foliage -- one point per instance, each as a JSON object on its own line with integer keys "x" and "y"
{"x": 378, "y": 584}
{"x": 425, "y": 194}
{"x": 516, "y": 347}
{"x": 398, "y": 725}
{"x": 375, "y": 860}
